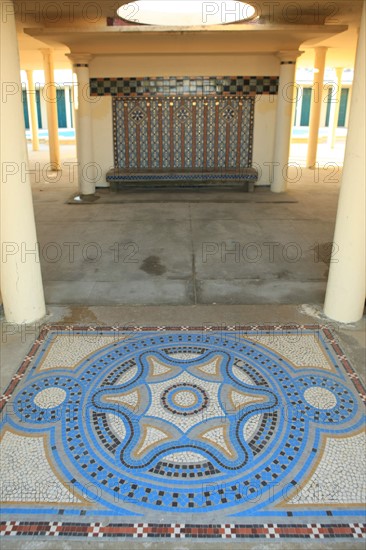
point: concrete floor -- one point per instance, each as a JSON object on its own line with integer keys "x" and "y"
{"x": 185, "y": 247}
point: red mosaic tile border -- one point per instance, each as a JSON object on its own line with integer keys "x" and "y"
{"x": 181, "y": 530}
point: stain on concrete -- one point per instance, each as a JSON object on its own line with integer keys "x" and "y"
{"x": 325, "y": 252}
{"x": 284, "y": 274}
{"x": 152, "y": 266}
{"x": 79, "y": 315}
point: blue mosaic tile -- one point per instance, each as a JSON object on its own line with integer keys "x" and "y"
{"x": 243, "y": 423}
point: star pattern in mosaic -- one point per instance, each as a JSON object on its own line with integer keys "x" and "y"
{"x": 137, "y": 115}
{"x": 244, "y": 424}
{"x": 228, "y": 113}
{"x": 179, "y": 409}
{"x": 182, "y": 114}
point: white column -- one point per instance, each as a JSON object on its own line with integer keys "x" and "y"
{"x": 33, "y": 111}
{"x": 285, "y": 104}
{"x": 316, "y": 105}
{"x": 334, "y": 111}
{"x": 83, "y": 127}
{"x": 21, "y": 280}
{"x": 345, "y": 296}
{"x": 50, "y": 94}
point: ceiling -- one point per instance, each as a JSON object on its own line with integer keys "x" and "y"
{"x": 81, "y": 27}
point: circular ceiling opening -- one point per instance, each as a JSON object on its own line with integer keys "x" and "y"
{"x": 185, "y": 13}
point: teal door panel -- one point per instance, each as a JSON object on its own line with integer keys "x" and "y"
{"x": 61, "y": 109}
{"x": 25, "y": 110}
{"x": 39, "y": 112}
{"x": 70, "y": 107}
{"x": 343, "y": 107}
{"x": 305, "y": 108}
{"x": 329, "y": 106}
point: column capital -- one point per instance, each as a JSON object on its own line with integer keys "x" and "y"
{"x": 80, "y": 59}
{"x": 47, "y": 54}
{"x": 288, "y": 57}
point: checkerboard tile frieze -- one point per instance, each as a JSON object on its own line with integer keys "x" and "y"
{"x": 184, "y": 86}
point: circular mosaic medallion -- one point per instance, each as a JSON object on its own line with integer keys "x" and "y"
{"x": 172, "y": 420}
{"x": 184, "y": 399}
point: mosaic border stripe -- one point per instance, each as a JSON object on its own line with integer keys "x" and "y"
{"x": 130, "y": 177}
{"x": 88, "y": 329}
{"x": 182, "y": 530}
{"x": 184, "y": 86}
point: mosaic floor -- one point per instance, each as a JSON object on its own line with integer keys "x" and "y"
{"x": 252, "y": 432}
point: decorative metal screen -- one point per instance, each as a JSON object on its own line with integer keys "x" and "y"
{"x": 199, "y": 133}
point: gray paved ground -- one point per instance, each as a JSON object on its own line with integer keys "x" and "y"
{"x": 185, "y": 247}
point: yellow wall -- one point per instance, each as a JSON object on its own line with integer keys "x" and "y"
{"x": 184, "y": 65}
{"x": 103, "y": 135}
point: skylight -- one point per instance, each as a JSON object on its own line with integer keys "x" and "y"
{"x": 185, "y": 12}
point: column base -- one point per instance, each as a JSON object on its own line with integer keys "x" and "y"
{"x": 279, "y": 187}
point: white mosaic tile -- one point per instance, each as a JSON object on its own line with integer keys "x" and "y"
{"x": 185, "y": 398}
{"x": 210, "y": 368}
{"x": 320, "y": 398}
{"x": 131, "y": 399}
{"x": 68, "y": 350}
{"x": 151, "y": 436}
{"x": 251, "y": 426}
{"x": 239, "y": 398}
{"x": 117, "y": 425}
{"x": 50, "y": 397}
{"x": 218, "y": 437}
{"x": 340, "y": 476}
{"x": 243, "y": 376}
{"x": 184, "y": 356}
{"x": 126, "y": 376}
{"x": 186, "y": 457}
{"x": 158, "y": 367}
{"x": 26, "y": 474}
{"x": 301, "y": 349}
